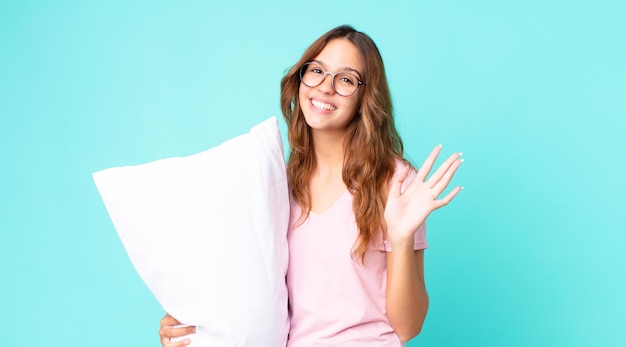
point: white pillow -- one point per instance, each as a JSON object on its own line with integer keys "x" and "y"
{"x": 207, "y": 234}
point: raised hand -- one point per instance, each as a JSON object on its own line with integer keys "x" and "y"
{"x": 407, "y": 210}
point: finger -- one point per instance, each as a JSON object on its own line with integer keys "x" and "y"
{"x": 169, "y": 320}
{"x": 446, "y": 199}
{"x": 175, "y": 331}
{"x": 436, "y": 177}
{"x": 423, "y": 171}
{"x": 441, "y": 185}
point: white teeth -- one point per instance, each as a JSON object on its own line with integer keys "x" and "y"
{"x": 322, "y": 105}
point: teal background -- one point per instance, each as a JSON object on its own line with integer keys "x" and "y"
{"x": 531, "y": 253}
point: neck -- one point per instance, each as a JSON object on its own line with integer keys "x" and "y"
{"x": 329, "y": 153}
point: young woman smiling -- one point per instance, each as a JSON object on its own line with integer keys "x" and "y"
{"x": 358, "y": 209}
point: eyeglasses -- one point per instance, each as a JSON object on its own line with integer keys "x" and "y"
{"x": 313, "y": 74}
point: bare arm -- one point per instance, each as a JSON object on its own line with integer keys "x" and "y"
{"x": 407, "y": 300}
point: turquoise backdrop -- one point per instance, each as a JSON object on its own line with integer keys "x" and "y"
{"x": 531, "y": 253}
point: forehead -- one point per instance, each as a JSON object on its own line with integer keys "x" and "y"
{"x": 340, "y": 54}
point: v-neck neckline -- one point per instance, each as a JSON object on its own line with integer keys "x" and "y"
{"x": 332, "y": 206}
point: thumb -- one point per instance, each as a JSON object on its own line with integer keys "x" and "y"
{"x": 397, "y": 180}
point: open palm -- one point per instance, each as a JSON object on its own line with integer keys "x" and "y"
{"x": 407, "y": 210}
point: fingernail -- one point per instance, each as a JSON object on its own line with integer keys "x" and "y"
{"x": 462, "y": 188}
{"x": 460, "y": 154}
{"x": 461, "y": 160}
{"x": 440, "y": 145}
{"x": 187, "y": 341}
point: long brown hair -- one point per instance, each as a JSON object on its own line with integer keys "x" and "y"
{"x": 371, "y": 147}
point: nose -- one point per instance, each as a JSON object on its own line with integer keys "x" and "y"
{"x": 327, "y": 84}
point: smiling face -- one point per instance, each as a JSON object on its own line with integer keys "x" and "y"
{"x": 323, "y": 108}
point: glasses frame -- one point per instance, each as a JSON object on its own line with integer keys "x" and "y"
{"x": 332, "y": 78}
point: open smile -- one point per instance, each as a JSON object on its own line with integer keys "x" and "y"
{"x": 322, "y": 106}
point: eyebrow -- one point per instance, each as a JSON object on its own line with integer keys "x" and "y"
{"x": 347, "y": 68}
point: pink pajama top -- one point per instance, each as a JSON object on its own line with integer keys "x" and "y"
{"x": 334, "y": 299}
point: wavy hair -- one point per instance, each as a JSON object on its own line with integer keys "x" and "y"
{"x": 372, "y": 146}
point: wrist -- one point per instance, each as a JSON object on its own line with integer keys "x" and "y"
{"x": 400, "y": 242}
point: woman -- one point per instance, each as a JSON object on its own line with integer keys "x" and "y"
{"x": 356, "y": 233}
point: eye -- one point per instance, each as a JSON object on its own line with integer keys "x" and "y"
{"x": 347, "y": 79}
{"x": 316, "y": 70}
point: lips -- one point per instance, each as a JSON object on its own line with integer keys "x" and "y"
{"x": 322, "y": 106}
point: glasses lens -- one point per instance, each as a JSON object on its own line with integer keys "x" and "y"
{"x": 346, "y": 84}
{"x": 312, "y": 74}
